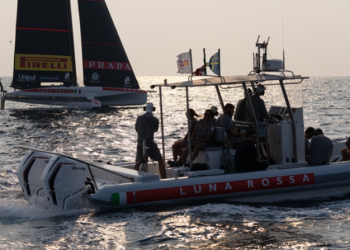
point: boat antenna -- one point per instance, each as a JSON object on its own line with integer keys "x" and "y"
{"x": 284, "y": 65}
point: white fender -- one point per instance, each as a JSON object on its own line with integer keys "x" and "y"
{"x": 29, "y": 174}
{"x": 65, "y": 178}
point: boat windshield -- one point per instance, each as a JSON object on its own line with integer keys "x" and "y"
{"x": 274, "y": 95}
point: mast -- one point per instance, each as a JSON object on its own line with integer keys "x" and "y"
{"x": 71, "y": 36}
{"x": 105, "y": 63}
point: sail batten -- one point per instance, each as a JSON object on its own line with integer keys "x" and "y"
{"x": 43, "y": 50}
{"x": 105, "y": 62}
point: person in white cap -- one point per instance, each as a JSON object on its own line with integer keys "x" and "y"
{"x": 215, "y": 112}
{"x": 146, "y": 125}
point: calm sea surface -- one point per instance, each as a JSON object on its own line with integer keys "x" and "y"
{"x": 101, "y": 135}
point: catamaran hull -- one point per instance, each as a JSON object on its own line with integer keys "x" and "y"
{"x": 67, "y": 96}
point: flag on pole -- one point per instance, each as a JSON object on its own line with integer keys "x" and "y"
{"x": 184, "y": 63}
{"x": 214, "y": 63}
{"x": 202, "y": 71}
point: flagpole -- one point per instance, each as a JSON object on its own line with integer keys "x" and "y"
{"x": 205, "y": 63}
{"x": 191, "y": 61}
{"x": 219, "y": 63}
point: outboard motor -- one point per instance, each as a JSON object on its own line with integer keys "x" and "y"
{"x": 67, "y": 182}
{"x": 29, "y": 174}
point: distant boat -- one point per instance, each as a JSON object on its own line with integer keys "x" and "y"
{"x": 44, "y": 59}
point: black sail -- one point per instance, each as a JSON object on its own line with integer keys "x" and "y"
{"x": 44, "y": 50}
{"x": 105, "y": 62}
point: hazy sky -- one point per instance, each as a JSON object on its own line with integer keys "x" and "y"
{"x": 154, "y": 32}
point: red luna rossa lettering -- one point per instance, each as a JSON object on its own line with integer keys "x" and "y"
{"x": 223, "y": 188}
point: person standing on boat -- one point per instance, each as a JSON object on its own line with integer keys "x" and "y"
{"x": 201, "y": 137}
{"x": 225, "y": 121}
{"x": 182, "y": 143}
{"x": 146, "y": 125}
{"x": 246, "y": 157}
{"x": 259, "y": 108}
{"x": 241, "y": 109}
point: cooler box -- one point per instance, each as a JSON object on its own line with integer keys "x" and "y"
{"x": 176, "y": 171}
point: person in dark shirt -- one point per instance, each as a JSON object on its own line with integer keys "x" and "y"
{"x": 201, "y": 137}
{"x": 259, "y": 108}
{"x": 321, "y": 147}
{"x": 246, "y": 157}
{"x": 182, "y": 143}
{"x": 241, "y": 109}
{"x": 225, "y": 121}
{"x": 146, "y": 125}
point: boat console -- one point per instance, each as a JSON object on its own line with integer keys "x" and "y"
{"x": 280, "y": 135}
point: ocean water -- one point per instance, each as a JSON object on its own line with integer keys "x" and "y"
{"x": 101, "y": 135}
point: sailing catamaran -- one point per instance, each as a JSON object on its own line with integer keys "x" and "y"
{"x": 63, "y": 182}
{"x": 44, "y": 60}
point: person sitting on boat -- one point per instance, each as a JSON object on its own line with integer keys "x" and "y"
{"x": 246, "y": 157}
{"x": 215, "y": 113}
{"x": 345, "y": 152}
{"x": 225, "y": 121}
{"x": 241, "y": 109}
{"x": 260, "y": 114}
{"x": 182, "y": 143}
{"x": 146, "y": 125}
{"x": 321, "y": 147}
{"x": 201, "y": 137}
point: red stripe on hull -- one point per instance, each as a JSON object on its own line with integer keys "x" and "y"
{"x": 224, "y": 188}
{"x": 129, "y": 197}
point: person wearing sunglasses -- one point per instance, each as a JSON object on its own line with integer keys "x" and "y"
{"x": 201, "y": 137}
{"x": 246, "y": 157}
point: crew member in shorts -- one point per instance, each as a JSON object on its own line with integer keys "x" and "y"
{"x": 146, "y": 125}
{"x": 201, "y": 137}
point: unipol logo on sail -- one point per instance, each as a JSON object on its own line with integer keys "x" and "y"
{"x": 106, "y": 65}
{"x": 43, "y": 62}
{"x": 26, "y": 78}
